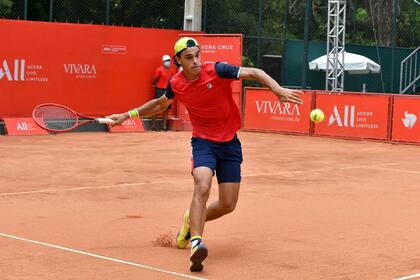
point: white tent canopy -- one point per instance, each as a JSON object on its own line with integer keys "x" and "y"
{"x": 353, "y": 63}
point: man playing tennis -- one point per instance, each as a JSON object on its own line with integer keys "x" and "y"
{"x": 205, "y": 90}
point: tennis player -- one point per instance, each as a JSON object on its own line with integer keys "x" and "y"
{"x": 205, "y": 90}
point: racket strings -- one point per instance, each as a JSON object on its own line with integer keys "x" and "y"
{"x": 56, "y": 118}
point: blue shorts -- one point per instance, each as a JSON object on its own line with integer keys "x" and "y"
{"x": 223, "y": 158}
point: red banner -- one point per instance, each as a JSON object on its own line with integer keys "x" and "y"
{"x": 22, "y": 126}
{"x": 219, "y": 47}
{"x": 405, "y": 124}
{"x": 129, "y": 125}
{"x": 264, "y": 111}
{"x": 96, "y": 70}
{"x": 353, "y": 116}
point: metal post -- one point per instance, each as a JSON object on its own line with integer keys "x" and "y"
{"x": 204, "y": 27}
{"x": 305, "y": 43}
{"x": 51, "y": 9}
{"x": 260, "y": 13}
{"x": 25, "y": 10}
{"x": 394, "y": 43}
{"x": 335, "y": 45}
{"x": 108, "y": 6}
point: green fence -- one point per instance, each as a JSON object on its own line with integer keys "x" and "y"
{"x": 382, "y": 82}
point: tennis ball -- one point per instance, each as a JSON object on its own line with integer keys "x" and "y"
{"x": 317, "y": 116}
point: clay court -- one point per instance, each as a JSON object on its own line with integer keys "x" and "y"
{"x": 92, "y": 206}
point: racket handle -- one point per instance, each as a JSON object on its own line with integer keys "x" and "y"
{"x": 105, "y": 120}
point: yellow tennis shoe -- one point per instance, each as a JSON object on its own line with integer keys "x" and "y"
{"x": 183, "y": 237}
{"x": 198, "y": 255}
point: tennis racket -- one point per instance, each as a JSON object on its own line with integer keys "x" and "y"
{"x": 58, "y": 118}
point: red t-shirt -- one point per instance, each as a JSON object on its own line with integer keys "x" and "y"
{"x": 162, "y": 74}
{"x": 213, "y": 112}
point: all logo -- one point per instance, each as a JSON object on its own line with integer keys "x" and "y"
{"x": 14, "y": 73}
{"x": 409, "y": 120}
{"x": 347, "y": 119}
{"x": 19, "y": 70}
{"x": 24, "y": 126}
{"x": 351, "y": 118}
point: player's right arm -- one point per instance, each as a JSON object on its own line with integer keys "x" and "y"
{"x": 151, "y": 107}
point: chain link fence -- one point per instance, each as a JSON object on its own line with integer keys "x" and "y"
{"x": 265, "y": 24}
{"x": 138, "y": 13}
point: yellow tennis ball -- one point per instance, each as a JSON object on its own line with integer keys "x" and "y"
{"x": 317, "y": 116}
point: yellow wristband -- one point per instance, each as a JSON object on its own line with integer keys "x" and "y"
{"x": 133, "y": 113}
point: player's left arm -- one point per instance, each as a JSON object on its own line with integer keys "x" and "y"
{"x": 284, "y": 94}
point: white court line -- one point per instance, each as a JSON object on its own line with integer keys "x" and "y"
{"x": 397, "y": 170}
{"x": 408, "y": 277}
{"x": 99, "y": 256}
{"x": 189, "y": 180}
{"x": 92, "y": 188}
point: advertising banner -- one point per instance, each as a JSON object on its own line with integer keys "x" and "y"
{"x": 353, "y": 116}
{"x": 93, "y": 69}
{"x": 264, "y": 112}
{"x": 129, "y": 125}
{"x": 405, "y": 126}
{"x": 22, "y": 126}
{"x": 219, "y": 47}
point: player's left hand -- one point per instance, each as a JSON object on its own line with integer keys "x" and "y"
{"x": 286, "y": 95}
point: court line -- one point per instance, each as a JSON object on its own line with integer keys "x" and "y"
{"x": 408, "y": 277}
{"x": 100, "y": 256}
{"x": 397, "y": 170}
{"x": 189, "y": 180}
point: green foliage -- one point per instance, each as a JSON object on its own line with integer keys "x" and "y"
{"x": 5, "y": 7}
{"x": 361, "y": 15}
{"x": 247, "y": 62}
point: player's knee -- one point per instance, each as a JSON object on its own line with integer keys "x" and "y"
{"x": 228, "y": 207}
{"x": 202, "y": 191}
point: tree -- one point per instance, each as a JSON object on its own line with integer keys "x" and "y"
{"x": 5, "y": 8}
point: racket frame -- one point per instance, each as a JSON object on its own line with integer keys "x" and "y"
{"x": 78, "y": 115}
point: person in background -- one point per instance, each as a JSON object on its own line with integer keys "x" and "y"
{"x": 160, "y": 80}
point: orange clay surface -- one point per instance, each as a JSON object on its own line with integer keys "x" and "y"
{"x": 309, "y": 208}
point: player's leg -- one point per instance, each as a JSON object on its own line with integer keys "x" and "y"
{"x": 228, "y": 197}
{"x": 153, "y": 126}
{"x": 202, "y": 185}
{"x": 165, "y": 120}
{"x": 203, "y": 166}
{"x": 157, "y": 95}
{"x": 228, "y": 172}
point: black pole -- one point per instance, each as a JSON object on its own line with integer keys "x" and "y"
{"x": 51, "y": 9}
{"x": 108, "y": 6}
{"x": 260, "y": 12}
{"x": 25, "y": 10}
{"x": 394, "y": 43}
{"x": 204, "y": 22}
{"x": 305, "y": 43}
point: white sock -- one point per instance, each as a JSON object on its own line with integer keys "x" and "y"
{"x": 195, "y": 242}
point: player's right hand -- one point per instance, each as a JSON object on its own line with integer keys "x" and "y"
{"x": 118, "y": 118}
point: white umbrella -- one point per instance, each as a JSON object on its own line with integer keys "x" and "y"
{"x": 353, "y": 63}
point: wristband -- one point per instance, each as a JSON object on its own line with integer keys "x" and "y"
{"x": 133, "y": 113}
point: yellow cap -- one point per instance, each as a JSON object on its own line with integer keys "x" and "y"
{"x": 184, "y": 43}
